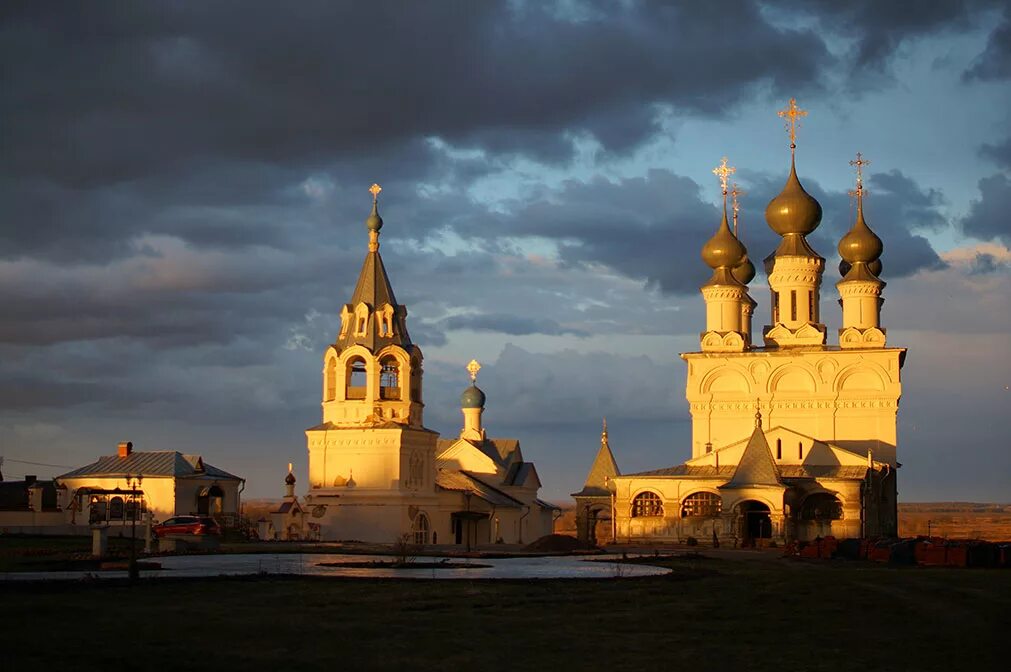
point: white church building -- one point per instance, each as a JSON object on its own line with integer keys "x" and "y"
{"x": 792, "y": 439}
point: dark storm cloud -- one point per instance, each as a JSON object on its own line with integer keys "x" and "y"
{"x": 995, "y": 61}
{"x": 878, "y": 29}
{"x": 988, "y": 215}
{"x": 146, "y": 88}
{"x": 135, "y": 118}
{"x": 999, "y": 153}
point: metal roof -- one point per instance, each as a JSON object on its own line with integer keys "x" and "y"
{"x": 461, "y": 481}
{"x": 155, "y": 463}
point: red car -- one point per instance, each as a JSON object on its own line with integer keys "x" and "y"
{"x": 187, "y": 525}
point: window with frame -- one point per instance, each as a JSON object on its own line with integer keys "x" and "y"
{"x": 116, "y": 508}
{"x": 647, "y": 504}
{"x": 420, "y": 528}
{"x": 701, "y": 504}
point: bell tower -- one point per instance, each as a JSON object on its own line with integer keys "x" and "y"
{"x": 372, "y": 373}
{"x": 372, "y": 453}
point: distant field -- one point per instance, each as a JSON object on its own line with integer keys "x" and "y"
{"x": 956, "y": 520}
{"x": 749, "y": 614}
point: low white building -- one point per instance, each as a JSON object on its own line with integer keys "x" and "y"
{"x": 117, "y": 487}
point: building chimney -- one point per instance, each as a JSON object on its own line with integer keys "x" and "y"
{"x": 125, "y": 449}
{"x": 30, "y": 478}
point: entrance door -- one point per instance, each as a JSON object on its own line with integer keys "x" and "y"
{"x": 755, "y": 522}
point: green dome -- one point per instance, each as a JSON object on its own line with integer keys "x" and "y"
{"x": 794, "y": 210}
{"x": 374, "y": 222}
{"x": 744, "y": 272}
{"x": 860, "y": 243}
{"x": 723, "y": 249}
{"x": 472, "y": 397}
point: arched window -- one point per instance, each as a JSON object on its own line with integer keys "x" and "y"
{"x": 357, "y": 376}
{"x": 420, "y": 529}
{"x": 701, "y": 504}
{"x": 822, "y": 507}
{"x": 647, "y": 504}
{"x": 361, "y": 319}
{"x": 331, "y": 380}
{"x": 116, "y": 508}
{"x": 779, "y": 449}
{"x": 389, "y": 378}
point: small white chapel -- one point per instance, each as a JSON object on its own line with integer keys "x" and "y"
{"x": 376, "y": 473}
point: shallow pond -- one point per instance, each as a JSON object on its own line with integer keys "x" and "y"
{"x": 308, "y": 564}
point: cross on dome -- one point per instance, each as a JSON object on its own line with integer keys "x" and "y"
{"x": 792, "y": 114}
{"x": 473, "y": 367}
{"x": 859, "y": 163}
{"x": 374, "y": 190}
{"x": 723, "y": 171}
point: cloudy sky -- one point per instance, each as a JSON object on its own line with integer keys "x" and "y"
{"x": 184, "y": 186}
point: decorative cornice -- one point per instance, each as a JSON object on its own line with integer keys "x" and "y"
{"x": 854, "y": 288}
{"x": 723, "y": 292}
{"x": 792, "y": 405}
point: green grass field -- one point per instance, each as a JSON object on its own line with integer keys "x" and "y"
{"x": 710, "y": 614}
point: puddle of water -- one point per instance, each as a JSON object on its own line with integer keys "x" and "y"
{"x": 308, "y": 565}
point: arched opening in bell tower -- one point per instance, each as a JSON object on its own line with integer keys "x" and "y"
{"x": 389, "y": 378}
{"x": 357, "y": 378}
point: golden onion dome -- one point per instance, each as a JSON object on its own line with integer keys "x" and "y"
{"x": 723, "y": 250}
{"x": 793, "y": 210}
{"x": 860, "y": 243}
{"x": 744, "y": 272}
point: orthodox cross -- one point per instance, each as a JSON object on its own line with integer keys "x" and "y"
{"x": 792, "y": 114}
{"x": 473, "y": 368}
{"x": 735, "y": 192}
{"x": 374, "y": 190}
{"x": 723, "y": 171}
{"x": 859, "y": 164}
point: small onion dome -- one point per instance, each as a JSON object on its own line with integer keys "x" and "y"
{"x": 744, "y": 272}
{"x": 289, "y": 479}
{"x": 472, "y": 397}
{"x": 860, "y": 243}
{"x": 874, "y": 267}
{"x": 723, "y": 250}
{"x": 794, "y": 210}
{"x": 374, "y": 222}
